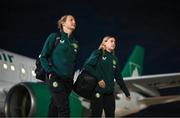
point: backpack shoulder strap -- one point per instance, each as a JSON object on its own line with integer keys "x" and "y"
{"x": 100, "y": 55}
{"x": 58, "y": 37}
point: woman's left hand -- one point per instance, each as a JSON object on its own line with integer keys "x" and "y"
{"x": 102, "y": 84}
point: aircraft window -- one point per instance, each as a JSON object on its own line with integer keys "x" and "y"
{"x": 5, "y": 66}
{"x": 12, "y": 68}
{"x": 23, "y": 70}
{"x": 33, "y": 73}
{"x": 24, "y": 73}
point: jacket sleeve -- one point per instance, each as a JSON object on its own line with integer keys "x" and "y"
{"x": 91, "y": 62}
{"x": 45, "y": 54}
{"x": 120, "y": 81}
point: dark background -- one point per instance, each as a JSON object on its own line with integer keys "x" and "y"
{"x": 153, "y": 24}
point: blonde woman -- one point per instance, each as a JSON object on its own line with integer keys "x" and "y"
{"x": 105, "y": 69}
{"x": 61, "y": 71}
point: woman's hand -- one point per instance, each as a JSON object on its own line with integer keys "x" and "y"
{"x": 102, "y": 84}
{"x": 49, "y": 75}
{"x": 52, "y": 74}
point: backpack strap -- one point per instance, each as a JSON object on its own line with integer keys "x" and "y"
{"x": 58, "y": 38}
{"x": 56, "y": 42}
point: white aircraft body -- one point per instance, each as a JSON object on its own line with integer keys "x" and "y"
{"x": 14, "y": 68}
{"x": 17, "y": 70}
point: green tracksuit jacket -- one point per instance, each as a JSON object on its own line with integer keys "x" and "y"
{"x": 105, "y": 66}
{"x": 63, "y": 56}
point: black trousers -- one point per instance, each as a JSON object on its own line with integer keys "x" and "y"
{"x": 60, "y": 89}
{"x": 100, "y": 102}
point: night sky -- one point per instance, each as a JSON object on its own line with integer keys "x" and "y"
{"x": 154, "y": 24}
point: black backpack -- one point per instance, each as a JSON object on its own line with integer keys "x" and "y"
{"x": 39, "y": 71}
{"x": 86, "y": 83}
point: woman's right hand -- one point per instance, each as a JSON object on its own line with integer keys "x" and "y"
{"x": 102, "y": 84}
{"x": 49, "y": 75}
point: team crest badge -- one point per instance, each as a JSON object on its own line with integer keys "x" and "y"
{"x": 75, "y": 45}
{"x": 55, "y": 84}
{"x": 98, "y": 95}
{"x": 114, "y": 62}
